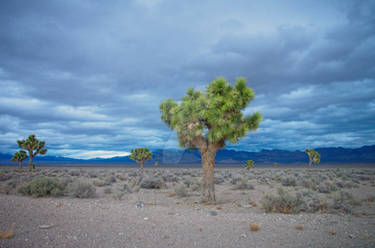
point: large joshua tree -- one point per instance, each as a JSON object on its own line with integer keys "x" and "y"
{"x": 19, "y": 157}
{"x": 314, "y": 156}
{"x": 33, "y": 146}
{"x": 140, "y": 155}
{"x": 207, "y": 120}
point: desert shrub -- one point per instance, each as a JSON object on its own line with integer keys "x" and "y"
{"x": 283, "y": 202}
{"x": 107, "y": 191}
{"x": 42, "y": 186}
{"x": 81, "y": 189}
{"x": 121, "y": 177}
{"x": 93, "y": 174}
{"x": 170, "y": 178}
{"x": 118, "y": 195}
{"x": 341, "y": 202}
{"x": 235, "y": 179}
{"x": 219, "y": 180}
{"x": 74, "y": 173}
{"x": 110, "y": 179}
{"x": 126, "y": 188}
{"x": 324, "y": 188}
{"x": 98, "y": 183}
{"x": 181, "y": 191}
{"x": 243, "y": 184}
{"x": 195, "y": 186}
{"x": 152, "y": 183}
{"x": 288, "y": 181}
{"x": 4, "y": 176}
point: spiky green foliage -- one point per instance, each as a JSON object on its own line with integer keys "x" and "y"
{"x": 314, "y": 156}
{"x": 212, "y": 117}
{"x": 19, "y": 157}
{"x": 249, "y": 164}
{"x": 33, "y": 146}
{"x": 207, "y": 120}
{"x": 140, "y": 155}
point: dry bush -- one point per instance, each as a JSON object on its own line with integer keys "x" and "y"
{"x": 82, "y": 189}
{"x": 42, "y": 186}
{"x": 254, "y": 227}
{"x": 282, "y": 203}
{"x": 299, "y": 227}
{"x": 8, "y": 234}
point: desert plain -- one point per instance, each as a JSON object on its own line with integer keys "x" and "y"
{"x": 161, "y": 207}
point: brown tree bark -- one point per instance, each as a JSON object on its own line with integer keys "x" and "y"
{"x": 208, "y": 154}
{"x": 20, "y": 164}
{"x": 31, "y": 158}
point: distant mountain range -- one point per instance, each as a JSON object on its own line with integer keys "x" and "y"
{"x": 334, "y": 155}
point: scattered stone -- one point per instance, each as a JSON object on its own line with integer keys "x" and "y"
{"x": 46, "y": 226}
{"x": 139, "y": 204}
{"x": 213, "y": 213}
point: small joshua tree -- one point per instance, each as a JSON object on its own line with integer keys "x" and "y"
{"x": 314, "y": 156}
{"x": 33, "y": 146}
{"x": 276, "y": 164}
{"x": 249, "y": 164}
{"x": 208, "y": 120}
{"x": 156, "y": 163}
{"x": 19, "y": 157}
{"x": 140, "y": 155}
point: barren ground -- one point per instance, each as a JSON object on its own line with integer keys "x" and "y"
{"x": 169, "y": 218}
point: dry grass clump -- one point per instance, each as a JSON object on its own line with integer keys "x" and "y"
{"x": 254, "y": 227}
{"x": 8, "y": 234}
{"x": 82, "y": 189}
{"x": 299, "y": 227}
{"x": 283, "y": 202}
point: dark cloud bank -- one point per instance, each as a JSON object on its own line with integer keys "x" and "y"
{"x": 88, "y": 76}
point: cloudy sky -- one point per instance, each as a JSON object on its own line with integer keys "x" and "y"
{"x": 88, "y": 76}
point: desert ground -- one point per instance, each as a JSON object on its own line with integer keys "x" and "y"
{"x": 117, "y": 207}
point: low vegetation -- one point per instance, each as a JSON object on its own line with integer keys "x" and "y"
{"x": 42, "y": 186}
{"x": 286, "y": 190}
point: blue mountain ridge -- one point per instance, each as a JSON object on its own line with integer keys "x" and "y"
{"x": 362, "y": 155}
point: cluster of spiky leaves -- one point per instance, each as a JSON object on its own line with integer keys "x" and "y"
{"x": 249, "y": 164}
{"x": 33, "y": 145}
{"x": 140, "y": 155}
{"x": 19, "y": 156}
{"x": 314, "y": 156}
{"x": 214, "y": 116}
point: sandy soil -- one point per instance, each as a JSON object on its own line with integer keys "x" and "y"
{"x": 169, "y": 221}
{"x": 163, "y": 222}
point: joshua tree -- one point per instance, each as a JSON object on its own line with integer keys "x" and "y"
{"x": 33, "y": 146}
{"x": 207, "y": 120}
{"x": 314, "y": 156}
{"x": 249, "y": 164}
{"x": 19, "y": 157}
{"x": 276, "y": 164}
{"x": 140, "y": 155}
{"x": 156, "y": 163}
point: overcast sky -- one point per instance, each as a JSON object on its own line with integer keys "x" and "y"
{"x": 88, "y": 76}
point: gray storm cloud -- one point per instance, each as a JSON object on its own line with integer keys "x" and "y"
{"x": 89, "y": 76}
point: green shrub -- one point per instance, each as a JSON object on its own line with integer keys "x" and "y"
{"x": 42, "y": 186}
{"x": 181, "y": 191}
{"x": 283, "y": 202}
{"x": 82, "y": 189}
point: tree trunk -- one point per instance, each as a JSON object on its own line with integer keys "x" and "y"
{"x": 208, "y": 185}
{"x": 31, "y": 158}
{"x": 20, "y": 164}
{"x": 310, "y": 162}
